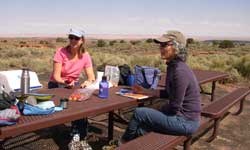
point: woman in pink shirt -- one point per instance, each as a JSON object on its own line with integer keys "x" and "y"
{"x": 68, "y": 63}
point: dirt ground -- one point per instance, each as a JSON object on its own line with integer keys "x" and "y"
{"x": 234, "y": 132}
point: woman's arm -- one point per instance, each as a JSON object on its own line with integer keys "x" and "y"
{"x": 90, "y": 77}
{"x": 155, "y": 93}
{"x": 179, "y": 90}
{"x": 57, "y": 68}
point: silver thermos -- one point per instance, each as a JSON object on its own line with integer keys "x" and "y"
{"x": 25, "y": 81}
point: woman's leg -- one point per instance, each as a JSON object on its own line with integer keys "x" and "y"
{"x": 146, "y": 119}
{"x": 80, "y": 127}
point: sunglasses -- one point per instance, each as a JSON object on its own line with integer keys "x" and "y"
{"x": 72, "y": 37}
{"x": 166, "y": 44}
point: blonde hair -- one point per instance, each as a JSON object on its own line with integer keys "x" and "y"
{"x": 180, "y": 50}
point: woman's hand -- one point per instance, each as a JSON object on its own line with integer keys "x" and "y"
{"x": 138, "y": 89}
{"x": 69, "y": 82}
{"x": 86, "y": 83}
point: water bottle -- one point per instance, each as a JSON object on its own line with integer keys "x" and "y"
{"x": 104, "y": 88}
{"x": 131, "y": 80}
{"x": 25, "y": 81}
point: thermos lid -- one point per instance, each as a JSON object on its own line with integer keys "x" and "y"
{"x": 104, "y": 78}
{"x": 24, "y": 69}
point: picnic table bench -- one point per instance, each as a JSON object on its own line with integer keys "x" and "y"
{"x": 213, "y": 112}
{"x": 217, "y": 109}
{"x": 158, "y": 141}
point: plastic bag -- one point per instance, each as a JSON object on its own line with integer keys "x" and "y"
{"x": 81, "y": 94}
{"x": 113, "y": 74}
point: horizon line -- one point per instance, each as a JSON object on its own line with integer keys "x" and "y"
{"x": 123, "y": 36}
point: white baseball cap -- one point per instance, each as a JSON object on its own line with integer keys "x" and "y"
{"x": 76, "y": 32}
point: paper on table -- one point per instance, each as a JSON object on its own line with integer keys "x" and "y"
{"x": 128, "y": 93}
{"x": 135, "y": 96}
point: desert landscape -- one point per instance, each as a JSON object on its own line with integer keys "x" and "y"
{"x": 230, "y": 56}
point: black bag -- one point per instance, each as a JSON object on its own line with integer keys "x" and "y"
{"x": 6, "y": 100}
{"x": 125, "y": 71}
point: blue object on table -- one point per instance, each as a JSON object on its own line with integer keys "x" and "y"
{"x": 33, "y": 110}
{"x": 103, "y": 88}
{"x": 131, "y": 80}
{"x": 57, "y": 108}
{"x": 124, "y": 91}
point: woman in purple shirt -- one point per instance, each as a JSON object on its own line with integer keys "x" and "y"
{"x": 181, "y": 114}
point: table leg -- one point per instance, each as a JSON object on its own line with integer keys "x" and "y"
{"x": 141, "y": 104}
{"x": 202, "y": 91}
{"x": 213, "y": 89}
{"x": 2, "y": 144}
{"x": 241, "y": 108}
{"x": 120, "y": 118}
{"x": 215, "y": 130}
{"x": 111, "y": 125}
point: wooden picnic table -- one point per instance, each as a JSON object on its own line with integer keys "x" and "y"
{"x": 91, "y": 107}
{"x": 203, "y": 77}
{"x": 76, "y": 110}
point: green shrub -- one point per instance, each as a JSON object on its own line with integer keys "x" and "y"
{"x": 226, "y": 44}
{"x": 215, "y": 43}
{"x": 22, "y": 42}
{"x": 13, "y": 53}
{"x": 190, "y": 41}
{"x": 44, "y": 42}
{"x": 101, "y": 43}
{"x": 135, "y": 42}
{"x": 61, "y": 40}
{"x": 149, "y": 40}
{"x": 111, "y": 43}
{"x": 122, "y": 41}
{"x": 243, "y": 66}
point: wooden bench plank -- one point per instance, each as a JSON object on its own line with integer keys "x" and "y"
{"x": 157, "y": 141}
{"x": 154, "y": 141}
{"x": 219, "y": 107}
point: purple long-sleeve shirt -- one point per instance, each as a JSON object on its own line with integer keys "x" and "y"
{"x": 182, "y": 90}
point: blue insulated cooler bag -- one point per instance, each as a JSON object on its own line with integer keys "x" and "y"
{"x": 34, "y": 110}
{"x": 147, "y": 77}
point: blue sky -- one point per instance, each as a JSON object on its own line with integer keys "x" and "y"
{"x": 193, "y": 17}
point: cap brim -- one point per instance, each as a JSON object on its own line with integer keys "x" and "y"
{"x": 162, "y": 40}
{"x": 75, "y": 35}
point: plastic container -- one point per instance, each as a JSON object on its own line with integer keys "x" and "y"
{"x": 131, "y": 80}
{"x": 64, "y": 103}
{"x": 104, "y": 88}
